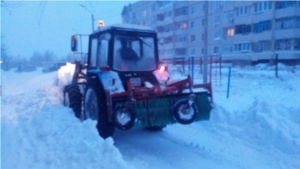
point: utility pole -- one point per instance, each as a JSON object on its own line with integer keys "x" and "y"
{"x": 93, "y": 23}
{"x": 92, "y": 15}
{"x": 205, "y": 46}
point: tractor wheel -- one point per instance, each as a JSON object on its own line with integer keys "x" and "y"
{"x": 95, "y": 109}
{"x": 123, "y": 119}
{"x": 184, "y": 112}
{"x": 72, "y": 99}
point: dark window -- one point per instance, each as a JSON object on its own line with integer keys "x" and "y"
{"x": 168, "y": 39}
{"x": 288, "y": 22}
{"x": 242, "y": 47}
{"x": 216, "y": 49}
{"x": 160, "y": 17}
{"x": 160, "y": 29}
{"x": 261, "y": 46}
{"x": 180, "y": 51}
{"x": 262, "y": 26}
{"x": 242, "y": 29}
{"x": 181, "y": 11}
{"x": 286, "y": 4}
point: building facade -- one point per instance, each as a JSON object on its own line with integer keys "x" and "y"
{"x": 235, "y": 30}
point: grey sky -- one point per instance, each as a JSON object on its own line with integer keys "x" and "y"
{"x": 39, "y": 26}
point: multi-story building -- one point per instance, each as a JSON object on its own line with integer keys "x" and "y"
{"x": 241, "y": 30}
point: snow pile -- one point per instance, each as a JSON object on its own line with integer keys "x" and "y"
{"x": 65, "y": 75}
{"x": 38, "y": 132}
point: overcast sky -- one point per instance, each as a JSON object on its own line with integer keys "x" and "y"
{"x": 31, "y": 26}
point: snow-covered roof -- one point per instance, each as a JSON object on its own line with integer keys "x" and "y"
{"x": 128, "y": 27}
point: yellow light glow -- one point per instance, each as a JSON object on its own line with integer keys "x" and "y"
{"x": 100, "y": 23}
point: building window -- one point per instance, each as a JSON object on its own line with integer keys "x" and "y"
{"x": 261, "y": 46}
{"x": 226, "y": 48}
{"x": 180, "y": 51}
{"x": 168, "y": 28}
{"x": 181, "y": 11}
{"x": 216, "y": 49}
{"x": 243, "y": 10}
{"x": 164, "y": 4}
{"x": 262, "y": 6}
{"x": 160, "y": 17}
{"x": 262, "y": 26}
{"x": 203, "y": 6}
{"x": 181, "y": 38}
{"x": 169, "y": 52}
{"x": 217, "y": 5}
{"x": 217, "y": 19}
{"x": 192, "y": 24}
{"x": 202, "y": 36}
{"x": 242, "y": 47}
{"x": 168, "y": 39}
{"x": 229, "y": 14}
{"x": 161, "y": 52}
{"x": 193, "y": 38}
{"x": 286, "y": 4}
{"x": 229, "y": 31}
{"x": 168, "y": 14}
{"x": 181, "y": 25}
{"x": 203, "y": 22}
{"x": 288, "y": 22}
{"x": 217, "y": 35}
{"x": 242, "y": 29}
{"x": 192, "y": 51}
{"x": 160, "y": 29}
{"x": 287, "y": 44}
{"x": 192, "y": 10}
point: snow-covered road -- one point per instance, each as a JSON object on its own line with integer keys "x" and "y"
{"x": 258, "y": 126}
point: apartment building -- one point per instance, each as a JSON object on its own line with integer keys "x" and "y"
{"x": 240, "y": 30}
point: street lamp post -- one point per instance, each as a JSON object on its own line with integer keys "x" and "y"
{"x": 92, "y": 15}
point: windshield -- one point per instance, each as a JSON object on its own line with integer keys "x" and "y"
{"x": 134, "y": 53}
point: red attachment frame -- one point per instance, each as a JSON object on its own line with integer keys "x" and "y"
{"x": 140, "y": 93}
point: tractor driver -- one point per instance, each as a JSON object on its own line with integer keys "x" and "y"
{"x": 127, "y": 58}
{"x": 126, "y": 52}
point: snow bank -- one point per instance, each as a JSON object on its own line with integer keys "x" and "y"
{"x": 38, "y": 132}
{"x": 64, "y": 76}
{"x": 262, "y": 109}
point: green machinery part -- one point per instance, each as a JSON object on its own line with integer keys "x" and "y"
{"x": 158, "y": 111}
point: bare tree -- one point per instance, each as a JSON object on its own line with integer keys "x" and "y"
{"x": 6, "y": 59}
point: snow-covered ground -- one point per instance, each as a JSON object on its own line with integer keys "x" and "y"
{"x": 258, "y": 126}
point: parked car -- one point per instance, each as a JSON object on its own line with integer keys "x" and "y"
{"x": 54, "y": 67}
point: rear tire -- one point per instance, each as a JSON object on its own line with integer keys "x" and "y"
{"x": 73, "y": 99}
{"x": 96, "y": 109}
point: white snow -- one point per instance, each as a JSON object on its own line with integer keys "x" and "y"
{"x": 258, "y": 126}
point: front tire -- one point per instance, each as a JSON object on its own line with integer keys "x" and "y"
{"x": 123, "y": 119}
{"x": 96, "y": 109}
{"x": 184, "y": 112}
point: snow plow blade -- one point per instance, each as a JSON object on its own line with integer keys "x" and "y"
{"x": 161, "y": 111}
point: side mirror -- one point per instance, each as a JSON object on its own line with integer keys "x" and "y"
{"x": 74, "y": 43}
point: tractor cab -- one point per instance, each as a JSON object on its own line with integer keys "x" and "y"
{"x": 129, "y": 50}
